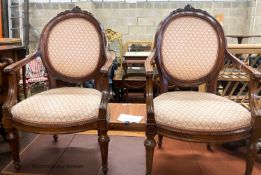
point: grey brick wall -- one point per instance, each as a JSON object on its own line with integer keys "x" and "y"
{"x": 138, "y": 21}
{"x": 255, "y": 20}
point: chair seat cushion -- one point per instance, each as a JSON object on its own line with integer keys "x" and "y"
{"x": 69, "y": 106}
{"x": 197, "y": 111}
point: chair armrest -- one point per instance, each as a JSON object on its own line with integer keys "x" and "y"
{"x": 151, "y": 123}
{"x": 148, "y": 62}
{"x": 149, "y": 95}
{"x": 105, "y": 92}
{"x": 103, "y": 119}
{"x": 13, "y": 68}
{"x": 103, "y": 105}
{"x": 105, "y": 68}
{"x": 11, "y": 99}
{"x": 255, "y": 77}
{"x": 254, "y": 103}
{"x": 243, "y": 66}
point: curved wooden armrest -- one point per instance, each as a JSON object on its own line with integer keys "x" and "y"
{"x": 148, "y": 62}
{"x": 149, "y": 98}
{"x": 13, "y": 68}
{"x": 103, "y": 118}
{"x": 11, "y": 99}
{"x": 243, "y": 66}
{"x": 105, "y": 68}
{"x": 105, "y": 92}
{"x": 255, "y": 77}
{"x": 254, "y": 104}
{"x": 149, "y": 88}
{"x": 150, "y": 122}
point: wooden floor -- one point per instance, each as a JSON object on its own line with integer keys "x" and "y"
{"x": 79, "y": 154}
{"x": 5, "y": 154}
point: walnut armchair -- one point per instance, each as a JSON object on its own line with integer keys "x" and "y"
{"x": 73, "y": 50}
{"x": 190, "y": 49}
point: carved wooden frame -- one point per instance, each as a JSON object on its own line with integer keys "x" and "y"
{"x": 152, "y": 128}
{"x": 100, "y": 74}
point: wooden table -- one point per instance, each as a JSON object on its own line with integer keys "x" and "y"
{"x": 134, "y": 58}
{"x": 118, "y": 84}
{"x": 16, "y": 53}
{"x": 117, "y": 79}
{"x": 115, "y": 109}
{"x": 10, "y": 41}
{"x": 244, "y": 48}
{"x": 241, "y": 37}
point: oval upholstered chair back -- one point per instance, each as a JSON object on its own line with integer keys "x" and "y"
{"x": 190, "y": 46}
{"x": 73, "y": 46}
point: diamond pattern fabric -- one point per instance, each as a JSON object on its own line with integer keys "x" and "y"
{"x": 197, "y": 111}
{"x": 68, "y": 106}
{"x": 189, "y": 48}
{"x": 74, "y": 47}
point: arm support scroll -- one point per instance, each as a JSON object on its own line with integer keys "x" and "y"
{"x": 11, "y": 100}
{"x": 106, "y": 67}
{"x": 149, "y": 89}
{"x": 243, "y": 66}
{"x": 105, "y": 89}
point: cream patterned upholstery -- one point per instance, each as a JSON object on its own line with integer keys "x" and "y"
{"x": 74, "y": 47}
{"x": 67, "y": 106}
{"x": 197, "y": 111}
{"x": 189, "y": 48}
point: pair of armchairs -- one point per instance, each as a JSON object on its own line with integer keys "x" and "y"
{"x": 190, "y": 48}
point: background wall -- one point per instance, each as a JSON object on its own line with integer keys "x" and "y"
{"x": 255, "y": 18}
{"x": 138, "y": 21}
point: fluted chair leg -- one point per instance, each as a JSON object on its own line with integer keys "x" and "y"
{"x": 160, "y": 138}
{"x": 251, "y": 156}
{"x": 150, "y": 144}
{"x": 14, "y": 143}
{"x": 104, "y": 144}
